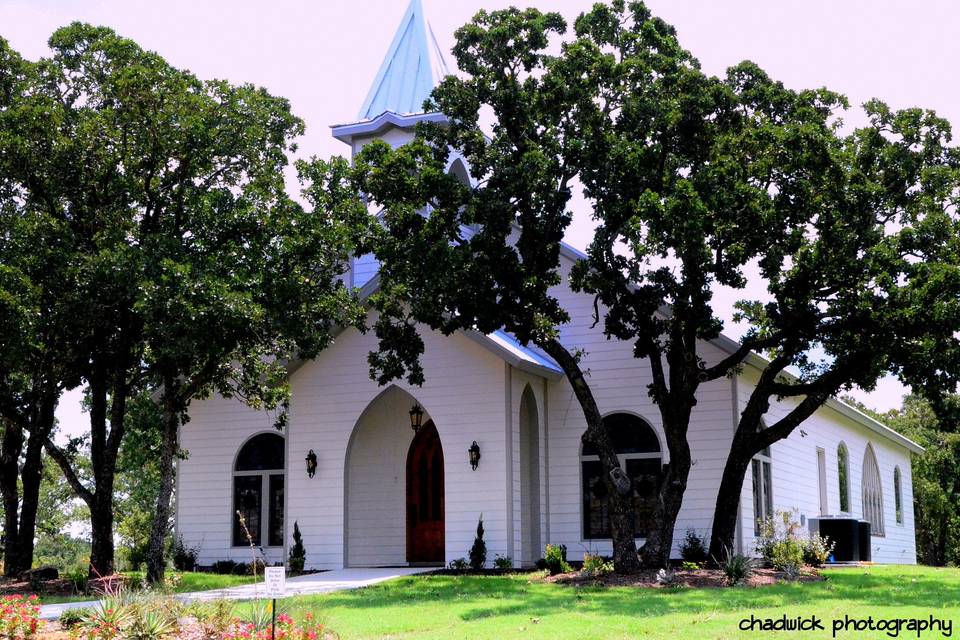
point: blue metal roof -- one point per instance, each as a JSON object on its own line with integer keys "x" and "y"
{"x": 413, "y": 67}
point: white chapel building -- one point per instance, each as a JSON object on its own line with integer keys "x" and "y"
{"x": 383, "y": 495}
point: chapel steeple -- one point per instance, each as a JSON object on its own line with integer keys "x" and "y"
{"x": 413, "y": 67}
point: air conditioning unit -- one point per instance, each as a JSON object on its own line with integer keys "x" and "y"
{"x": 851, "y": 537}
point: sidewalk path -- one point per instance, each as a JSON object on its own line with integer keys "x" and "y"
{"x": 325, "y": 582}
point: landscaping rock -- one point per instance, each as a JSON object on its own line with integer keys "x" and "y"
{"x": 41, "y": 574}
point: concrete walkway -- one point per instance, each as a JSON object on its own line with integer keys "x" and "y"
{"x": 325, "y": 582}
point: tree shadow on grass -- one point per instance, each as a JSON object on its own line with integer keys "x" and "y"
{"x": 471, "y": 598}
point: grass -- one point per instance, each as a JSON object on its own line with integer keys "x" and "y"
{"x": 188, "y": 581}
{"x": 512, "y": 606}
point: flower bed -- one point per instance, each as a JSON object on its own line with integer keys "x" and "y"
{"x": 19, "y": 617}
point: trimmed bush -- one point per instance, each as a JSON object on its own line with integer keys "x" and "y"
{"x": 693, "y": 548}
{"x": 298, "y": 553}
{"x": 478, "y": 552}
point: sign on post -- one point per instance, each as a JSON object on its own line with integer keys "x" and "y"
{"x": 275, "y": 582}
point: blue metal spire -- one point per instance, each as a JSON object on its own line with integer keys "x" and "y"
{"x": 413, "y": 67}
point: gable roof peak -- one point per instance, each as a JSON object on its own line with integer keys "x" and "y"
{"x": 414, "y": 65}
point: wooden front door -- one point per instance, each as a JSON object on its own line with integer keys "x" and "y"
{"x": 425, "y": 497}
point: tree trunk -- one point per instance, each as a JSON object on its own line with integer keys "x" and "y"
{"x": 101, "y": 531}
{"x": 30, "y": 478}
{"x": 161, "y": 518}
{"x": 659, "y": 544}
{"x": 728, "y": 501}
{"x": 619, "y": 489}
{"x": 9, "y": 463}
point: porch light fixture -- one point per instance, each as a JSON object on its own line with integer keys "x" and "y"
{"x": 474, "y": 452}
{"x": 416, "y": 417}
{"x": 311, "y": 460}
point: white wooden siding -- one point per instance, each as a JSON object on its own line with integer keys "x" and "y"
{"x": 796, "y": 485}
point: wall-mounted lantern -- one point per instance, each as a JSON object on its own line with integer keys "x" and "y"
{"x": 311, "y": 460}
{"x": 416, "y": 417}
{"x": 474, "y": 452}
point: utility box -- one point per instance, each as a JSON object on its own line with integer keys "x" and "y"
{"x": 865, "y": 548}
{"x": 845, "y": 533}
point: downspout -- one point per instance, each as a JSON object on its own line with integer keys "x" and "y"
{"x": 508, "y": 458}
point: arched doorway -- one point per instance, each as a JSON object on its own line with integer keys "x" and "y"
{"x": 425, "y": 500}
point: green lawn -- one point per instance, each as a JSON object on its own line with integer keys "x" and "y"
{"x": 515, "y": 606}
{"x": 188, "y": 581}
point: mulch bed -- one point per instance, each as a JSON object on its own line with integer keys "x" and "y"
{"x": 59, "y": 587}
{"x": 698, "y": 578}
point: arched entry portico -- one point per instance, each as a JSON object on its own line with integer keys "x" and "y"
{"x": 390, "y": 477}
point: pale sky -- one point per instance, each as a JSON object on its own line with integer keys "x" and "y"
{"x": 323, "y": 55}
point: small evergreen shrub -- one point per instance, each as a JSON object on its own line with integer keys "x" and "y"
{"x": 686, "y": 565}
{"x": 502, "y": 562}
{"x": 595, "y": 565}
{"x": 458, "y": 564}
{"x": 817, "y": 550}
{"x": 555, "y": 558}
{"x": 693, "y": 548}
{"x": 184, "y": 557}
{"x": 298, "y": 553}
{"x": 737, "y": 568}
{"x": 478, "y": 552}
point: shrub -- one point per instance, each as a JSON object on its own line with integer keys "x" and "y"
{"x": 502, "y": 562}
{"x": 779, "y": 541}
{"x": 737, "y": 568}
{"x": 72, "y": 617}
{"x": 20, "y": 616}
{"x": 555, "y": 558}
{"x": 595, "y": 565}
{"x": 478, "y": 552}
{"x": 786, "y": 554}
{"x": 184, "y": 557}
{"x": 693, "y": 548}
{"x": 791, "y": 572}
{"x": 298, "y": 553}
{"x": 253, "y": 568}
{"x": 78, "y": 577}
{"x": 225, "y": 567}
{"x": 459, "y": 564}
{"x": 214, "y": 617}
{"x": 686, "y": 565}
{"x": 817, "y": 550}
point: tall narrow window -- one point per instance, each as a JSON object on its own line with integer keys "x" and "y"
{"x": 872, "y": 493}
{"x": 898, "y": 494}
{"x": 762, "y": 488}
{"x": 258, "y": 479}
{"x": 843, "y": 476}
{"x": 822, "y": 480}
{"x": 638, "y": 451}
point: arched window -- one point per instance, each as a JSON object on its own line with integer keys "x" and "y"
{"x": 459, "y": 169}
{"x": 762, "y": 472}
{"x": 258, "y": 491}
{"x": 898, "y": 494}
{"x": 843, "y": 475}
{"x": 638, "y": 450}
{"x": 872, "y": 493}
